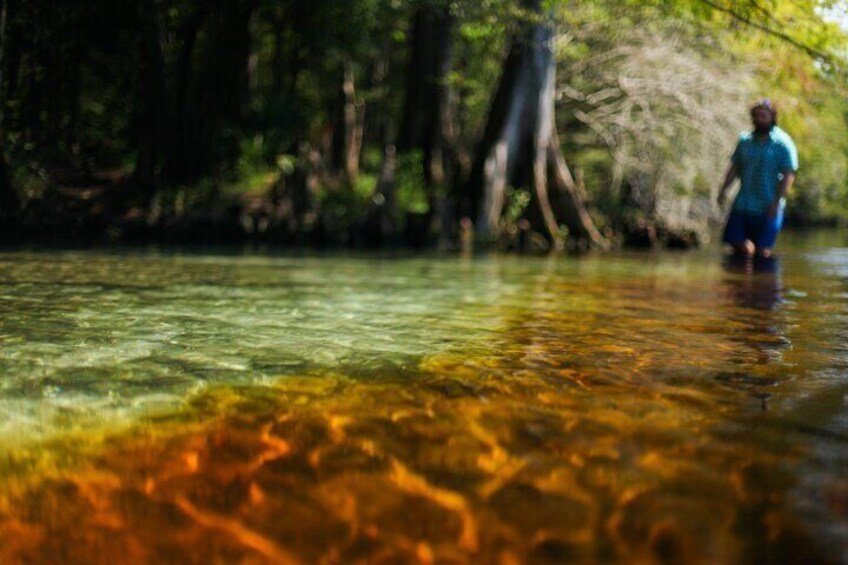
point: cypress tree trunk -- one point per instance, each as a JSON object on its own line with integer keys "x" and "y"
{"x": 519, "y": 146}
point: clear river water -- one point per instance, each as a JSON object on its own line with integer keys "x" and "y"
{"x": 219, "y": 407}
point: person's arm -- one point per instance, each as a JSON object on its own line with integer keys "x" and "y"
{"x": 732, "y": 171}
{"x": 782, "y": 190}
{"x": 729, "y": 177}
{"x": 789, "y": 167}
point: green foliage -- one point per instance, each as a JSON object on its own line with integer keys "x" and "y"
{"x": 364, "y": 187}
{"x": 343, "y": 208}
{"x": 517, "y": 201}
{"x": 219, "y": 108}
{"x": 410, "y": 186}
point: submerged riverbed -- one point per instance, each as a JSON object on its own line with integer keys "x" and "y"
{"x": 203, "y": 408}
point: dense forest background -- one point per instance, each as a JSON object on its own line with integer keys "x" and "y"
{"x": 530, "y": 123}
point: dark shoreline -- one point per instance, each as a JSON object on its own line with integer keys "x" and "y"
{"x": 213, "y": 232}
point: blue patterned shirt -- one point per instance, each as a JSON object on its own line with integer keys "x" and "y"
{"x": 760, "y": 166}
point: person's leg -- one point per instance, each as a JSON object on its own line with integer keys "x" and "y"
{"x": 746, "y": 248}
{"x": 767, "y": 234}
{"x": 735, "y": 234}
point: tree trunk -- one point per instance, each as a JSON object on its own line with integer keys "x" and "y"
{"x": 519, "y": 146}
{"x": 382, "y": 221}
{"x": 3, "y": 16}
{"x": 426, "y": 124}
{"x": 9, "y": 201}
{"x": 210, "y": 81}
{"x": 219, "y": 90}
{"x": 153, "y": 112}
{"x": 175, "y": 140}
{"x": 569, "y": 195}
{"x": 347, "y": 134}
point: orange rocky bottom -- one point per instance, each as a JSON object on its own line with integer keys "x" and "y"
{"x": 327, "y": 469}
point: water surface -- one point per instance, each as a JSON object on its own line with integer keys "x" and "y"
{"x": 202, "y": 408}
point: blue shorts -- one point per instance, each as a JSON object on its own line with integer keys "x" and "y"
{"x": 761, "y": 230}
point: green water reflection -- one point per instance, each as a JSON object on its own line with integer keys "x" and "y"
{"x": 635, "y": 407}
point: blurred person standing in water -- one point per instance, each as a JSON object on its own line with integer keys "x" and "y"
{"x": 766, "y": 162}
